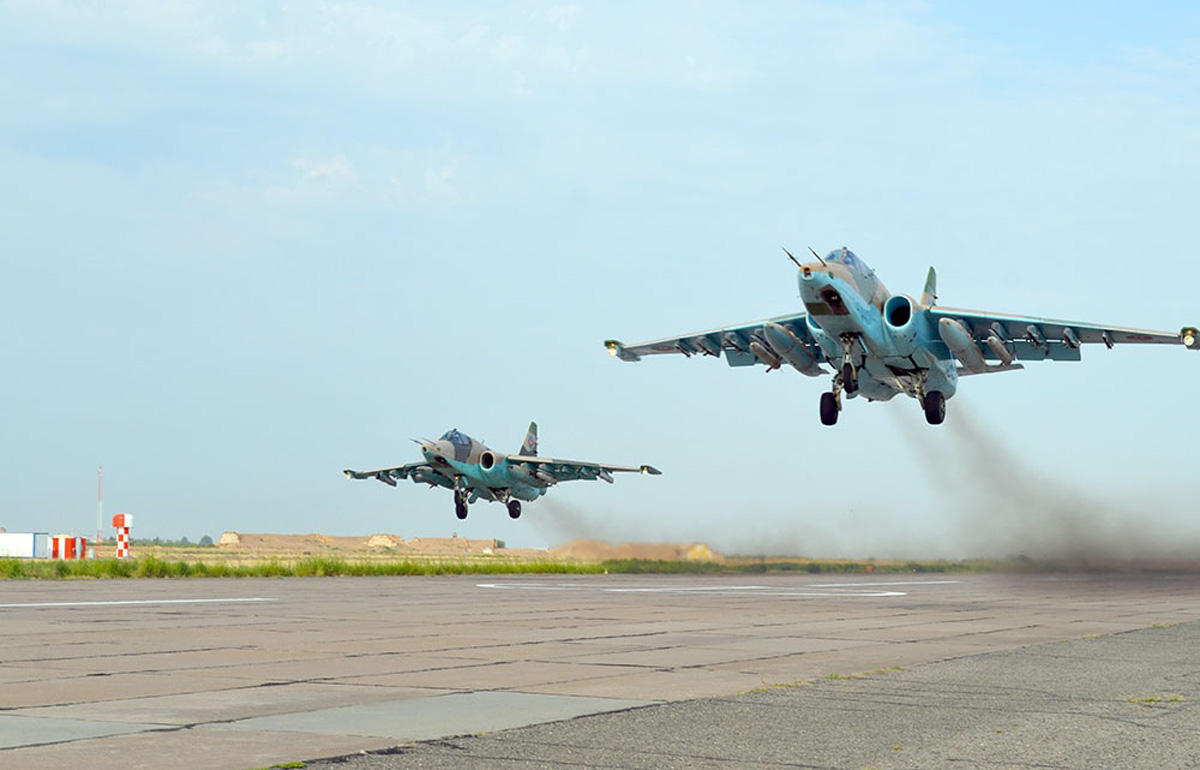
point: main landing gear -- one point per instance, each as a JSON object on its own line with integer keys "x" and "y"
{"x": 460, "y": 503}
{"x": 849, "y": 378}
{"x": 514, "y": 509}
{"x": 935, "y": 407}
{"x": 829, "y": 408}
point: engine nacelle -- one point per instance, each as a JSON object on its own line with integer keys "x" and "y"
{"x": 492, "y": 466}
{"x": 900, "y": 318}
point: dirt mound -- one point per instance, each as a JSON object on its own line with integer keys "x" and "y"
{"x": 271, "y": 544}
{"x": 384, "y": 541}
{"x": 599, "y": 550}
{"x": 383, "y": 545}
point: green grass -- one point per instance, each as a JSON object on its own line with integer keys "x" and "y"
{"x": 154, "y": 567}
{"x": 324, "y": 566}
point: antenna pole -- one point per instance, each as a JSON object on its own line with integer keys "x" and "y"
{"x": 99, "y": 501}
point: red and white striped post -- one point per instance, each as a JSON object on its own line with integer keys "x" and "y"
{"x": 122, "y": 522}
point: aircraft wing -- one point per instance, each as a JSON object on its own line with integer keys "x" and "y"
{"x": 572, "y": 470}
{"x": 425, "y": 471}
{"x": 743, "y": 344}
{"x": 1031, "y": 338}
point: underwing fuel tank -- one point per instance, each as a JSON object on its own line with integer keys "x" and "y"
{"x": 521, "y": 473}
{"x": 791, "y": 349}
{"x": 766, "y": 355}
{"x": 999, "y": 349}
{"x": 531, "y": 475}
{"x": 425, "y": 475}
{"x": 961, "y": 344}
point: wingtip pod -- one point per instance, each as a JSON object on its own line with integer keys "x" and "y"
{"x": 350, "y": 474}
{"x": 617, "y": 350}
{"x": 1190, "y": 337}
{"x": 650, "y": 470}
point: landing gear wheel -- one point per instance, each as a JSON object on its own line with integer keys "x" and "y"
{"x": 460, "y": 504}
{"x": 935, "y": 407}
{"x": 829, "y": 409}
{"x": 514, "y": 509}
{"x": 849, "y": 378}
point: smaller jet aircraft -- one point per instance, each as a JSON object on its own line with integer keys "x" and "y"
{"x": 458, "y": 462}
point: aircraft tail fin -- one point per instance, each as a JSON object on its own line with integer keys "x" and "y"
{"x": 929, "y": 296}
{"x": 529, "y": 448}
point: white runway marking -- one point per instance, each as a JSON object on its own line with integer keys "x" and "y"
{"x": 823, "y": 590}
{"x": 112, "y": 602}
{"x": 886, "y": 583}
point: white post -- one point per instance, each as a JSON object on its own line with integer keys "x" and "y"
{"x": 99, "y": 506}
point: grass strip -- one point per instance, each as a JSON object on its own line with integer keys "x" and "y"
{"x": 155, "y": 567}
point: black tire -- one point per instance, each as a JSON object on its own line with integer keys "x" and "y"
{"x": 829, "y": 409}
{"x": 935, "y": 407}
{"x": 849, "y": 378}
{"x": 460, "y": 510}
{"x": 514, "y": 509}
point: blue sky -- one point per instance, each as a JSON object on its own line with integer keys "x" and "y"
{"x": 244, "y": 249}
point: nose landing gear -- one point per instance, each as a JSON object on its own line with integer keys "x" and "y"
{"x": 514, "y": 509}
{"x": 846, "y": 379}
{"x": 460, "y": 503}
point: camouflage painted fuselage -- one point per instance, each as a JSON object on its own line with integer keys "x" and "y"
{"x": 458, "y": 459}
{"x": 848, "y": 314}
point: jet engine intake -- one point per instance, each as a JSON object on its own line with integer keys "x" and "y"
{"x": 488, "y": 460}
{"x": 900, "y": 320}
{"x": 898, "y": 311}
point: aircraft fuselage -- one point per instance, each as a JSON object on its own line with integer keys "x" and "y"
{"x": 887, "y": 339}
{"x": 459, "y": 459}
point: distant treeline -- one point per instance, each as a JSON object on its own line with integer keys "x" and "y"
{"x": 204, "y": 541}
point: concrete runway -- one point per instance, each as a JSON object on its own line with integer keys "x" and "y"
{"x": 244, "y": 673}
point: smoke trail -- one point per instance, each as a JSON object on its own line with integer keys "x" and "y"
{"x": 1006, "y": 507}
{"x": 566, "y": 522}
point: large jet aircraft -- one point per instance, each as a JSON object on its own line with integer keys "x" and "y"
{"x": 880, "y": 344}
{"x": 458, "y": 462}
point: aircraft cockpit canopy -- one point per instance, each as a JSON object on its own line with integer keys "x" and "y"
{"x": 846, "y": 257}
{"x": 842, "y": 255}
{"x": 456, "y": 438}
